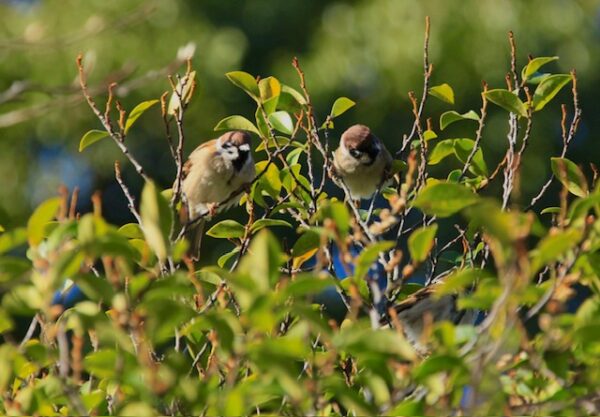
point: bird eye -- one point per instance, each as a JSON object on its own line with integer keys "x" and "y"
{"x": 355, "y": 153}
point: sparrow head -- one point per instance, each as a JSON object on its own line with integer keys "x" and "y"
{"x": 235, "y": 146}
{"x": 361, "y": 144}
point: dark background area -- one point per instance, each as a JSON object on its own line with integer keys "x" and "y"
{"x": 369, "y": 51}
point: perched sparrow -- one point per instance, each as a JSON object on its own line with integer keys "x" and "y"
{"x": 361, "y": 161}
{"x": 213, "y": 171}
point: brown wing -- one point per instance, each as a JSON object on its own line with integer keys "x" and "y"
{"x": 187, "y": 166}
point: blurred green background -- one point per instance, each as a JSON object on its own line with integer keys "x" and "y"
{"x": 368, "y": 50}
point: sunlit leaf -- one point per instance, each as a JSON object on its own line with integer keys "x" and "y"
{"x": 458, "y": 281}
{"x": 507, "y": 100}
{"x": 229, "y": 229}
{"x": 535, "y": 64}
{"x": 449, "y": 117}
{"x": 443, "y": 92}
{"x": 270, "y": 90}
{"x": 369, "y": 256}
{"x": 262, "y": 223}
{"x": 137, "y": 112}
{"x": 237, "y": 123}
{"x": 157, "y": 219}
{"x": 246, "y": 82}
{"x": 42, "y": 215}
{"x": 92, "y": 137}
{"x": 548, "y": 88}
{"x": 420, "y": 242}
{"x": 282, "y": 122}
{"x": 444, "y": 199}
{"x": 13, "y": 238}
{"x": 570, "y": 176}
{"x": 340, "y": 106}
{"x": 553, "y": 246}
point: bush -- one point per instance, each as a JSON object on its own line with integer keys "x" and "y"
{"x": 482, "y": 309}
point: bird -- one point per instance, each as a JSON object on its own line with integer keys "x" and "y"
{"x": 361, "y": 161}
{"x": 214, "y": 171}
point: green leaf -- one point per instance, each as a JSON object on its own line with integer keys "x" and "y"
{"x": 552, "y": 247}
{"x": 458, "y": 280}
{"x": 308, "y": 241}
{"x": 6, "y": 322}
{"x": 262, "y": 223}
{"x": 488, "y": 215}
{"x": 507, "y": 100}
{"x": 443, "y": 92}
{"x": 261, "y": 264}
{"x": 462, "y": 150}
{"x": 223, "y": 259}
{"x": 341, "y": 106}
{"x": 358, "y": 341}
{"x": 369, "y": 256}
{"x": 443, "y": 199}
{"x": 305, "y": 284}
{"x": 282, "y": 122}
{"x": 436, "y": 364}
{"x": 570, "y": 176}
{"x": 246, "y": 82}
{"x": 429, "y": 135}
{"x": 44, "y": 213}
{"x": 270, "y": 90}
{"x": 548, "y": 88}
{"x": 12, "y": 267}
{"x": 550, "y": 210}
{"x": 92, "y": 137}
{"x": 137, "y": 112}
{"x": 131, "y": 231}
{"x": 227, "y": 229}
{"x": 338, "y": 212}
{"x": 236, "y": 123}
{"x": 157, "y": 220}
{"x": 452, "y": 116}
{"x": 420, "y": 242}
{"x": 183, "y": 89}
{"x": 442, "y": 149}
{"x": 12, "y": 239}
{"x": 535, "y": 64}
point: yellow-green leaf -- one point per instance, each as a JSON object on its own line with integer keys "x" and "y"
{"x": 548, "y": 88}
{"x": 281, "y": 121}
{"x": 246, "y": 82}
{"x": 44, "y": 213}
{"x": 507, "y": 100}
{"x": 341, "y": 106}
{"x": 237, "y": 123}
{"x": 535, "y": 64}
{"x": 137, "y": 112}
{"x": 92, "y": 137}
{"x": 157, "y": 219}
{"x": 443, "y": 92}
{"x": 228, "y": 229}
{"x": 570, "y": 176}
{"x": 420, "y": 242}
{"x": 443, "y": 199}
{"x": 449, "y": 117}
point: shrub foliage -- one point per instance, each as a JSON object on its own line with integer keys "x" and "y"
{"x": 477, "y": 316}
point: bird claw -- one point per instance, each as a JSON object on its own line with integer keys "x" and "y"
{"x": 212, "y": 209}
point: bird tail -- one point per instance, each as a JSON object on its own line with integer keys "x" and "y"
{"x": 194, "y": 236}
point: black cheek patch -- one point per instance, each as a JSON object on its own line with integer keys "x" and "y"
{"x": 239, "y": 162}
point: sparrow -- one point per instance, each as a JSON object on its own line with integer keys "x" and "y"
{"x": 361, "y": 161}
{"x": 213, "y": 171}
